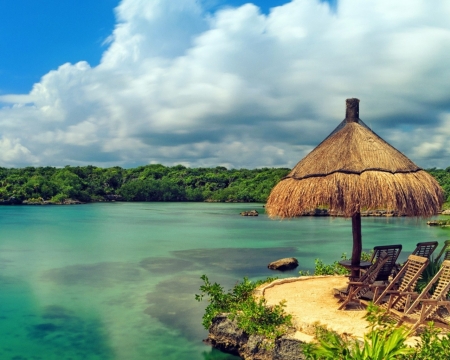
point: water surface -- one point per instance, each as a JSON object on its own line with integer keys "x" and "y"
{"x": 117, "y": 280}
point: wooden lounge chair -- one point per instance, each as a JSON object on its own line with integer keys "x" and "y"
{"x": 401, "y": 289}
{"x": 392, "y": 251}
{"x": 356, "y": 289}
{"x": 425, "y": 249}
{"x": 426, "y": 306}
{"x": 445, "y": 251}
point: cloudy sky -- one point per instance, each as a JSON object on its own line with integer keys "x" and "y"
{"x": 217, "y": 82}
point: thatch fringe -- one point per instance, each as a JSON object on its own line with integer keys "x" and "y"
{"x": 413, "y": 194}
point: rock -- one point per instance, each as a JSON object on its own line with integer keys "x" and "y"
{"x": 11, "y": 201}
{"x": 71, "y": 202}
{"x": 438, "y": 222}
{"x": 249, "y": 213}
{"x": 225, "y": 335}
{"x": 283, "y": 264}
{"x": 316, "y": 212}
{"x": 446, "y": 212}
{"x": 113, "y": 198}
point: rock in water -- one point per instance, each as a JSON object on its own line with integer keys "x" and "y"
{"x": 249, "y": 213}
{"x": 284, "y": 264}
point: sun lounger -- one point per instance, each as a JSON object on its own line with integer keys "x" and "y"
{"x": 356, "y": 289}
{"x": 426, "y": 306}
{"x": 425, "y": 249}
{"x": 392, "y": 251}
{"x": 445, "y": 251}
{"x": 402, "y": 288}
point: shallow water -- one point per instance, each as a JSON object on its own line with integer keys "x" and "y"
{"x": 117, "y": 280}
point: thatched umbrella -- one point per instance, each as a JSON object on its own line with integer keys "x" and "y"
{"x": 354, "y": 170}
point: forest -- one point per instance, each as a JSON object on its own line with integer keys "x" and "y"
{"x": 34, "y": 185}
{"x": 38, "y": 185}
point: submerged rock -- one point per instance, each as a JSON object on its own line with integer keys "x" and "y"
{"x": 283, "y": 264}
{"x": 249, "y": 213}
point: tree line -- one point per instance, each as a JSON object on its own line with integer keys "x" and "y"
{"x": 149, "y": 183}
{"x": 144, "y": 183}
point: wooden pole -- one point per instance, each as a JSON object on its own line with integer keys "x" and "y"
{"x": 357, "y": 243}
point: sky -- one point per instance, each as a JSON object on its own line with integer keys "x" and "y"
{"x": 208, "y": 83}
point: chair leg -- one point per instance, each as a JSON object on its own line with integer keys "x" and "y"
{"x": 350, "y": 296}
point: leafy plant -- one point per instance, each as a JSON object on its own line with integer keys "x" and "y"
{"x": 431, "y": 345}
{"x": 320, "y": 268}
{"x": 252, "y": 315}
{"x": 383, "y": 342}
{"x": 430, "y": 271}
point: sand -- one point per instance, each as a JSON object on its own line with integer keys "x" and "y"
{"x": 311, "y": 300}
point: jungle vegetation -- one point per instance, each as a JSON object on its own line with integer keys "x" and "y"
{"x": 154, "y": 182}
{"x": 144, "y": 183}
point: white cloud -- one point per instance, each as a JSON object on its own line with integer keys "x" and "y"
{"x": 11, "y": 151}
{"x": 240, "y": 88}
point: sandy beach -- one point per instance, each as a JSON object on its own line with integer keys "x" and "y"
{"x": 311, "y": 300}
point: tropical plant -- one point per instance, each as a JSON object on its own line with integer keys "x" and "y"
{"x": 430, "y": 271}
{"x": 432, "y": 344}
{"x": 384, "y": 341}
{"x": 252, "y": 315}
{"x": 320, "y": 268}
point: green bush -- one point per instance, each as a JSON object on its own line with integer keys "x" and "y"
{"x": 430, "y": 271}
{"x": 384, "y": 341}
{"x": 252, "y": 315}
{"x": 335, "y": 268}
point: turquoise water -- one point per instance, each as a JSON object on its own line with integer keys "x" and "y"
{"x": 117, "y": 280}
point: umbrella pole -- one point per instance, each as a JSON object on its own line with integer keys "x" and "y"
{"x": 357, "y": 244}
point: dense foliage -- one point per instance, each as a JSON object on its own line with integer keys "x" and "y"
{"x": 320, "y": 268}
{"x": 443, "y": 178}
{"x": 252, "y": 315}
{"x": 150, "y": 183}
{"x": 384, "y": 341}
{"x": 144, "y": 183}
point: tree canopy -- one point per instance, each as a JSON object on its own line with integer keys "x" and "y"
{"x": 144, "y": 183}
{"x": 154, "y": 182}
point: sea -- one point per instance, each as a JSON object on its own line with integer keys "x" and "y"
{"x": 118, "y": 280}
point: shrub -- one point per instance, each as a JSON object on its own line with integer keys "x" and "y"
{"x": 430, "y": 271}
{"x": 335, "y": 268}
{"x": 383, "y": 342}
{"x": 252, "y": 315}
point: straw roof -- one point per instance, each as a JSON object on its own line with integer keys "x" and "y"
{"x": 352, "y": 170}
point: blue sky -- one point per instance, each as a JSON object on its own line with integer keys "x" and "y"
{"x": 214, "y": 82}
{"x": 39, "y": 36}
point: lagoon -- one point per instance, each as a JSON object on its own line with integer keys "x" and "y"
{"x": 117, "y": 280}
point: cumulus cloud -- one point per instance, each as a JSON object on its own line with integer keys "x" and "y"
{"x": 239, "y": 88}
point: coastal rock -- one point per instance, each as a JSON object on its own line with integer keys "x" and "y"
{"x": 446, "y": 212}
{"x": 317, "y": 212}
{"x": 225, "y": 335}
{"x": 249, "y": 213}
{"x": 438, "y": 222}
{"x": 113, "y": 198}
{"x": 11, "y": 201}
{"x": 283, "y": 264}
{"x": 71, "y": 202}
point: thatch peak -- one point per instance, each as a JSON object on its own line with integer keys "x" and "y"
{"x": 352, "y": 112}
